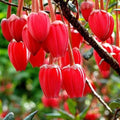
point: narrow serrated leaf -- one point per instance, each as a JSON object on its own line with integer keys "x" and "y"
{"x": 83, "y": 113}
{"x": 30, "y": 117}
{"x": 53, "y": 115}
{"x": 66, "y": 115}
{"x": 112, "y": 5}
{"x": 9, "y": 116}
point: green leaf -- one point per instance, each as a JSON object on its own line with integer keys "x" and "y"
{"x": 112, "y": 5}
{"x": 30, "y": 117}
{"x": 60, "y": 114}
{"x": 72, "y": 106}
{"x": 53, "y": 115}
{"x": 66, "y": 115}
{"x": 82, "y": 115}
{"x": 88, "y": 54}
{"x": 28, "y": 2}
{"x": 115, "y": 104}
{"x": 72, "y": 6}
{"x": 116, "y": 9}
{"x": 9, "y": 116}
{"x": 84, "y": 112}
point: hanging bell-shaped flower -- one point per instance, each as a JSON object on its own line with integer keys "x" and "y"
{"x": 16, "y": 25}
{"x": 32, "y": 45}
{"x": 18, "y": 55}
{"x": 50, "y": 78}
{"x": 74, "y": 80}
{"x": 39, "y": 25}
{"x": 101, "y": 23}
{"x": 5, "y": 29}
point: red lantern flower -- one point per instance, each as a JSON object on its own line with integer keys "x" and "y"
{"x": 39, "y": 25}
{"x": 74, "y": 80}
{"x": 92, "y": 116}
{"x": 103, "y": 66}
{"x": 76, "y": 38}
{"x": 38, "y": 59}
{"x": 63, "y": 95}
{"x": 32, "y": 45}
{"x": 5, "y": 29}
{"x": 77, "y": 57}
{"x": 58, "y": 17}
{"x": 50, "y": 102}
{"x": 50, "y": 79}
{"x": 105, "y": 74}
{"x": 116, "y": 51}
{"x": 86, "y": 8}
{"x": 57, "y": 40}
{"x": 110, "y": 40}
{"x": 118, "y": 59}
{"x": 101, "y": 24}
{"x": 18, "y": 55}
{"x": 16, "y": 25}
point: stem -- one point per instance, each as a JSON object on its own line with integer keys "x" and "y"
{"x": 50, "y": 59}
{"x": 98, "y": 96}
{"x": 19, "y": 9}
{"x": 9, "y": 9}
{"x": 33, "y": 5}
{"x": 71, "y": 57}
{"x": 37, "y": 6}
{"x": 41, "y": 4}
{"x": 96, "y": 4}
{"x": 59, "y": 61}
{"x": 69, "y": 47}
{"x": 107, "y": 4}
{"x": 61, "y": 13}
{"x": 101, "y": 4}
{"x": 117, "y": 28}
{"x": 77, "y": 25}
{"x": 51, "y": 11}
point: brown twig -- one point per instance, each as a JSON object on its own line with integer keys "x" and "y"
{"x": 24, "y": 8}
{"x": 12, "y": 4}
{"x": 99, "y": 49}
{"x": 98, "y": 96}
{"x": 116, "y": 113}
